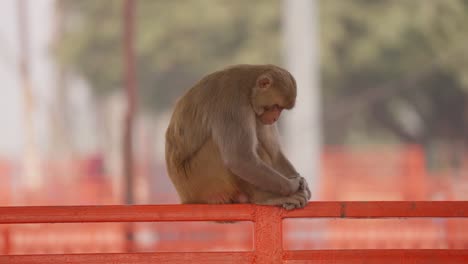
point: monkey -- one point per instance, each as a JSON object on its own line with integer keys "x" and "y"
{"x": 222, "y": 142}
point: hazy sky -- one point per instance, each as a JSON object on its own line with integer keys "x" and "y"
{"x": 40, "y": 16}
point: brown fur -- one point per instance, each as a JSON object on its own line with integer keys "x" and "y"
{"x": 217, "y": 150}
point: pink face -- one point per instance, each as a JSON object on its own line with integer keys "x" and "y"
{"x": 270, "y": 115}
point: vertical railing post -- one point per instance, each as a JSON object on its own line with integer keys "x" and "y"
{"x": 268, "y": 235}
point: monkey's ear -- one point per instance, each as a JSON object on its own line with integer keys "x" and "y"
{"x": 264, "y": 81}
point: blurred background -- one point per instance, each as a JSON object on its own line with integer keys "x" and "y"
{"x": 89, "y": 86}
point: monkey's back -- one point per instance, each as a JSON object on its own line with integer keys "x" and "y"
{"x": 193, "y": 160}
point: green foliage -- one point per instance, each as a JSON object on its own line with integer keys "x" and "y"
{"x": 391, "y": 69}
{"x": 380, "y": 57}
{"x": 177, "y": 42}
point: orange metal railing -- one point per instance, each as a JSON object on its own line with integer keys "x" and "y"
{"x": 268, "y": 237}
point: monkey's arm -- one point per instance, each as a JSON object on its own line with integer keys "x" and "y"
{"x": 270, "y": 137}
{"x": 236, "y": 137}
{"x": 283, "y": 165}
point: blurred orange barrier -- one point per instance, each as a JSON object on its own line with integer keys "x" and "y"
{"x": 268, "y": 237}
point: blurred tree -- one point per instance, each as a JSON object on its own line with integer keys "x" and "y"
{"x": 395, "y": 70}
{"x": 177, "y": 42}
{"x": 391, "y": 70}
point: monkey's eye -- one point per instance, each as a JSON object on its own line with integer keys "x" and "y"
{"x": 277, "y": 107}
{"x": 273, "y": 108}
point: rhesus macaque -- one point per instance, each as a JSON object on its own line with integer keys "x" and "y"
{"x": 222, "y": 142}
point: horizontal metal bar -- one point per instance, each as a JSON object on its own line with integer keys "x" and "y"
{"x": 391, "y": 256}
{"x": 134, "y": 258}
{"x": 232, "y": 212}
{"x": 381, "y": 209}
{"x": 381, "y": 256}
{"x": 123, "y": 213}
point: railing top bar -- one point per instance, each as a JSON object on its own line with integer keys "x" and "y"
{"x": 135, "y": 258}
{"x": 385, "y": 209}
{"x": 379, "y": 256}
{"x": 232, "y": 212}
{"x": 125, "y": 213}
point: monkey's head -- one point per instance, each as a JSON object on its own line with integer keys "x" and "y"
{"x": 273, "y": 92}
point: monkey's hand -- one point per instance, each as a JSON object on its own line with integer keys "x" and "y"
{"x": 293, "y": 185}
{"x": 305, "y": 188}
{"x": 300, "y": 197}
{"x": 297, "y": 200}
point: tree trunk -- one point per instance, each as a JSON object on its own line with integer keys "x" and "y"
{"x": 130, "y": 85}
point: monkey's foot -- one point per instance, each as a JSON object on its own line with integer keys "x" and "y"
{"x": 297, "y": 200}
